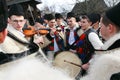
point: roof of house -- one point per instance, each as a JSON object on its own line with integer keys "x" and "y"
{"x": 11, "y": 2}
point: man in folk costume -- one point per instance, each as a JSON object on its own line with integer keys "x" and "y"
{"x": 104, "y": 66}
{"x": 72, "y": 32}
{"x": 107, "y": 62}
{"x": 95, "y": 19}
{"x": 7, "y": 57}
{"x": 57, "y": 42}
{"x": 60, "y": 22}
{"x": 87, "y": 43}
{"x": 45, "y": 18}
{"x": 15, "y": 38}
{"x": 61, "y": 25}
{"x": 16, "y": 22}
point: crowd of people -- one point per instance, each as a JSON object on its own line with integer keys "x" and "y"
{"x": 93, "y": 38}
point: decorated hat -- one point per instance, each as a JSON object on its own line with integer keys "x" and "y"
{"x": 16, "y": 9}
{"x": 3, "y": 15}
{"x": 114, "y": 14}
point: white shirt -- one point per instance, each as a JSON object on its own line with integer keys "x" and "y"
{"x": 55, "y": 46}
{"x": 71, "y": 37}
{"x": 95, "y": 41}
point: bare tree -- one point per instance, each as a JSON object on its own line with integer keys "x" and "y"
{"x": 90, "y": 6}
{"x": 111, "y": 3}
{"x": 64, "y": 11}
{"x": 46, "y": 10}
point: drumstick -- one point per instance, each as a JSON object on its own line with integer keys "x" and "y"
{"x": 73, "y": 63}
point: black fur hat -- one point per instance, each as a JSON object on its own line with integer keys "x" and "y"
{"x": 50, "y": 17}
{"x": 114, "y": 14}
{"x": 78, "y": 19}
{"x": 16, "y": 9}
{"x": 3, "y": 15}
{"x": 58, "y": 16}
{"x": 94, "y": 17}
{"x": 115, "y": 76}
{"x": 70, "y": 14}
{"x": 45, "y": 16}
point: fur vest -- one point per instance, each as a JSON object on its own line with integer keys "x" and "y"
{"x": 112, "y": 43}
{"x": 104, "y": 66}
{"x": 12, "y": 46}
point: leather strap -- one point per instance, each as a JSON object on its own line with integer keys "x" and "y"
{"x": 17, "y": 39}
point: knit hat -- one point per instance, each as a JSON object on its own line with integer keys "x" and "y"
{"x": 3, "y": 15}
{"x": 16, "y": 9}
{"x": 114, "y": 14}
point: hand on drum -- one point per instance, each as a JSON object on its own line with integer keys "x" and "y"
{"x": 73, "y": 51}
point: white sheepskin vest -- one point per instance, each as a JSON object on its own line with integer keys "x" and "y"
{"x": 12, "y": 46}
{"x": 103, "y": 66}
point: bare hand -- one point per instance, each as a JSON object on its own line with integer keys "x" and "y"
{"x": 85, "y": 66}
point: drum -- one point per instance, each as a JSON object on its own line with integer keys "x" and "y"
{"x": 68, "y": 62}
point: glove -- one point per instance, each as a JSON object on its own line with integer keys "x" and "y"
{"x": 33, "y": 47}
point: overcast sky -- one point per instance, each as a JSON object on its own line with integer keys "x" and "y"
{"x": 59, "y": 4}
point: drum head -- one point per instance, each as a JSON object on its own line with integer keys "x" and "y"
{"x": 61, "y": 62}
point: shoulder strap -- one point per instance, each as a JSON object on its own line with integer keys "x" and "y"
{"x": 16, "y": 39}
